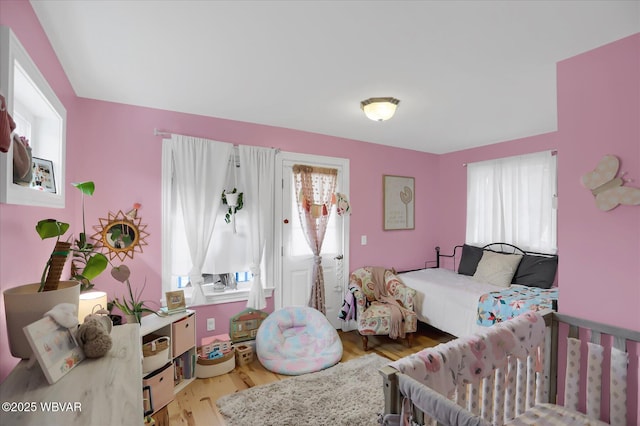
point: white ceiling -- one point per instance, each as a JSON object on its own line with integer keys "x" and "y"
{"x": 467, "y": 73}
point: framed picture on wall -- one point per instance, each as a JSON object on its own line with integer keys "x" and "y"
{"x": 43, "y": 178}
{"x": 399, "y": 202}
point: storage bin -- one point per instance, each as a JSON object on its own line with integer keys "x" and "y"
{"x": 155, "y": 354}
{"x": 161, "y": 384}
{"x": 184, "y": 334}
{"x": 215, "y": 367}
{"x": 244, "y": 354}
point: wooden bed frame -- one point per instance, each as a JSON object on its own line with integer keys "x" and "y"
{"x": 558, "y": 328}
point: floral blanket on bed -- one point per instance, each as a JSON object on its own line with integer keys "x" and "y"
{"x": 502, "y": 305}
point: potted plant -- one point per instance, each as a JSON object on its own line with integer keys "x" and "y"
{"x": 131, "y": 305}
{"x": 234, "y": 200}
{"x": 28, "y": 303}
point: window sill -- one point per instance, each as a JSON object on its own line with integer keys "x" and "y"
{"x": 228, "y": 296}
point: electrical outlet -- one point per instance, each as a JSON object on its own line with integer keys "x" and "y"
{"x": 211, "y": 324}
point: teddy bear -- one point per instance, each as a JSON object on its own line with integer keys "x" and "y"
{"x": 94, "y": 335}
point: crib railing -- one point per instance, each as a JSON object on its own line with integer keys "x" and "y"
{"x": 595, "y": 360}
{"x": 595, "y": 383}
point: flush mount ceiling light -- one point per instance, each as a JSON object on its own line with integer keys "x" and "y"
{"x": 379, "y": 109}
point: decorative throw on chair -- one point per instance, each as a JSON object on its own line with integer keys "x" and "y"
{"x": 381, "y": 295}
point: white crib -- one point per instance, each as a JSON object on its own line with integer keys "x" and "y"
{"x": 455, "y": 384}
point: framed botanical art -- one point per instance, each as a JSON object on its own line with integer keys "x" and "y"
{"x": 55, "y": 348}
{"x": 399, "y": 202}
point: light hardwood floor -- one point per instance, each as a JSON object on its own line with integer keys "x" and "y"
{"x": 196, "y": 404}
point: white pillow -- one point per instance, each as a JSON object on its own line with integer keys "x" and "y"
{"x": 497, "y": 268}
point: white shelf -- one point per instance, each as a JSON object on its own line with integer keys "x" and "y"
{"x": 166, "y": 326}
{"x": 151, "y": 323}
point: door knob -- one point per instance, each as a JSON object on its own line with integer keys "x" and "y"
{"x": 286, "y": 221}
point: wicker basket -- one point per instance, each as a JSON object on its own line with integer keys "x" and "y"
{"x": 155, "y": 346}
{"x": 224, "y": 358}
{"x": 156, "y": 354}
{"x": 206, "y": 368}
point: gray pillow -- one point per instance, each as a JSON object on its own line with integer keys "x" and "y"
{"x": 536, "y": 271}
{"x": 469, "y": 260}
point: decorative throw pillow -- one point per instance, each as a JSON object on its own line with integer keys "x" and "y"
{"x": 471, "y": 255}
{"x": 497, "y": 268}
{"x": 536, "y": 271}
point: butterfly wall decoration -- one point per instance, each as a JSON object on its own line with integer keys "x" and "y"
{"x": 609, "y": 190}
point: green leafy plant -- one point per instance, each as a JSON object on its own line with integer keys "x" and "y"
{"x": 132, "y": 303}
{"x": 86, "y": 264}
{"x": 232, "y": 209}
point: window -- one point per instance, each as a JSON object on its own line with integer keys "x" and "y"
{"x": 513, "y": 200}
{"x": 227, "y": 251}
{"x": 213, "y": 260}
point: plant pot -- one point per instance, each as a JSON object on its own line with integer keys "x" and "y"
{"x": 232, "y": 199}
{"x": 116, "y": 319}
{"x": 133, "y": 318}
{"x": 23, "y": 305}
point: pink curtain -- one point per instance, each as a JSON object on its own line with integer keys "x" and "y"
{"x": 314, "y": 191}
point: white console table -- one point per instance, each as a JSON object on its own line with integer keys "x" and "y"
{"x": 98, "y": 392}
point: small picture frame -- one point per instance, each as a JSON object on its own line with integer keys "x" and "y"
{"x": 399, "y": 202}
{"x": 175, "y": 300}
{"x": 43, "y": 178}
{"x": 54, "y": 346}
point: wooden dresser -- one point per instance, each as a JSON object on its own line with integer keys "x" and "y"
{"x": 98, "y": 392}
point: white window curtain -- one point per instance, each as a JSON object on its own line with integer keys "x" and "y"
{"x": 513, "y": 200}
{"x": 199, "y": 170}
{"x": 257, "y": 171}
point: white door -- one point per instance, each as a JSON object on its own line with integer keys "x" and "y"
{"x": 297, "y": 258}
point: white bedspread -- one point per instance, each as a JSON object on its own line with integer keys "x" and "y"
{"x": 447, "y": 300}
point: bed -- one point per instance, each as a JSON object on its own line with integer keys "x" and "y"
{"x": 487, "y": 285}
{"x": 511, "y": 373}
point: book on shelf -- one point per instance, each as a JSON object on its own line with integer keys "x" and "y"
{"x": 165, "y": 311}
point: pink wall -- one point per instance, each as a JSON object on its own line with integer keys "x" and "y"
{"x": 114, "y": 145}
{"x": 599, "y": 113}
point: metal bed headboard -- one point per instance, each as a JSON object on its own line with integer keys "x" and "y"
{"x": 506, "y": 248}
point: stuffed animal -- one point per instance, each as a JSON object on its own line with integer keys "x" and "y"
{"x": 94, "y": 335}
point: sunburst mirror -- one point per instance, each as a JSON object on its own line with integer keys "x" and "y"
{"x": 121, "y": 234}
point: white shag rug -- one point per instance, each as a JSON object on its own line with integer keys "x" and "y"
{"x": 348, "y": 394}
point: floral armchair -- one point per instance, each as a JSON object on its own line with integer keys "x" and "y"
{"x": 373, "y": 316}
